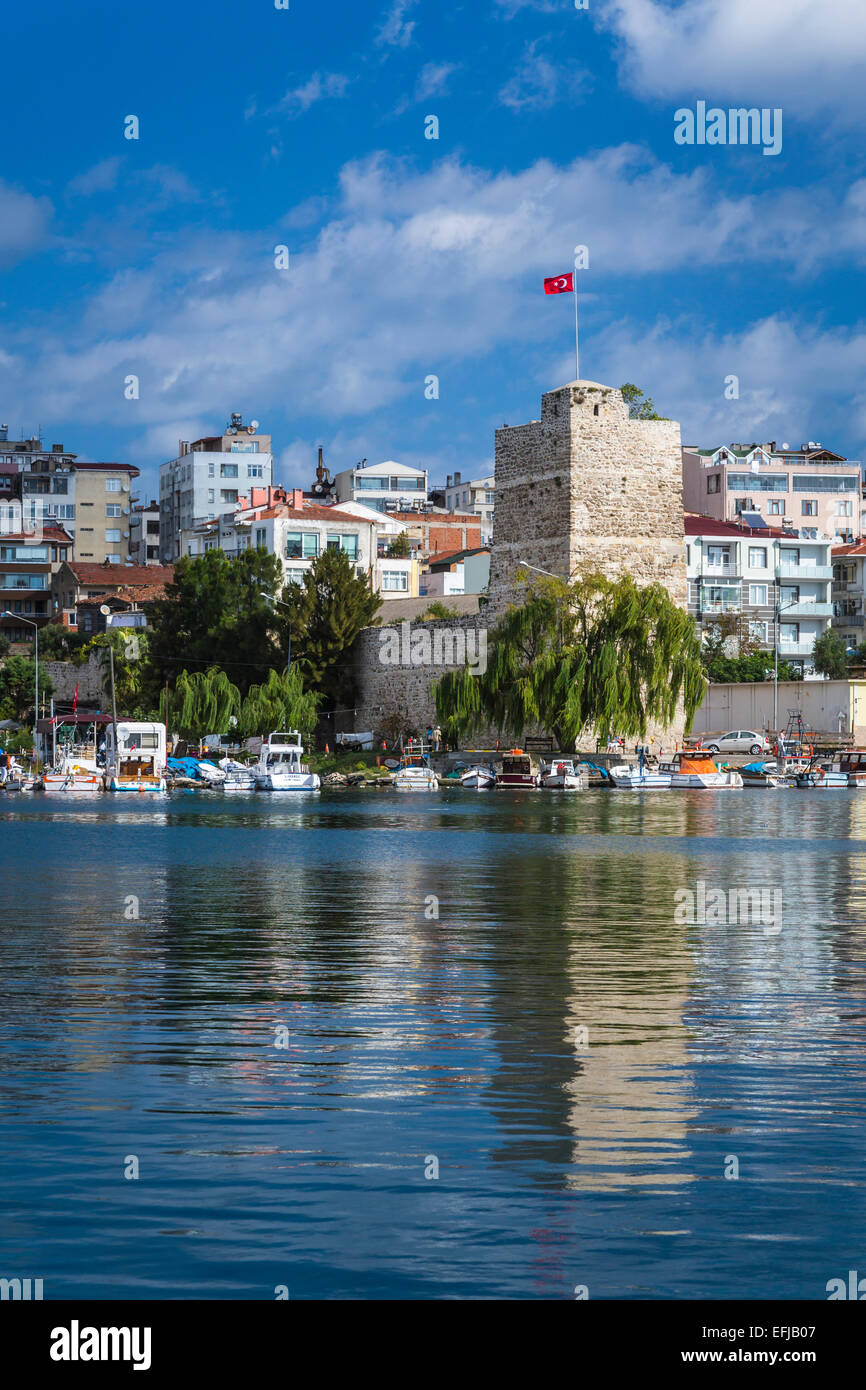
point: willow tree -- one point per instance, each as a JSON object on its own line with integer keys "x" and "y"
{"x": 595, "y": 653}
{"x": 204, "y": 702}
{"x": 280, "y": 703}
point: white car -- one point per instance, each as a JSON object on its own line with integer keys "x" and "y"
{"x": 739, "y": 741}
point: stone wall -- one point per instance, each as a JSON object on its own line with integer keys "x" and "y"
{"x": 88, "y": 677}
{"x": 582, "y": 486}
{"x": 585, "y": 485}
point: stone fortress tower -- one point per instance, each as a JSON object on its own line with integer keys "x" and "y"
{"x": 585, "y": 484}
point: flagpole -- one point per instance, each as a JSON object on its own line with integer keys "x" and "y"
{"x": 576, "y": 335}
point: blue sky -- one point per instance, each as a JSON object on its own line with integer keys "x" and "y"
{"x": 410, "y": 257}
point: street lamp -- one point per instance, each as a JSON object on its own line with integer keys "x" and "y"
{"x": 19, "y": 618}
{"x": 268, "y": 599}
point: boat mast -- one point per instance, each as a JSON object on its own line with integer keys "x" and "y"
{"x": 114, "y": 715}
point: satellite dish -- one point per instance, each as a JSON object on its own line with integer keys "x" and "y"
{"x": 104, "y": 609}
{"x": 254, "y": 424}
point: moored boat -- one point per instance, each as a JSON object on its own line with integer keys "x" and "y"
{"x": 281, "y": 768}
{"x": 414, "y": 773}
{"x": 480, "y": 779}
{"x": 562, "y": 775}
{"x": 843, "y": 769}
{"x": 765, "y": 775}
{"x": 517, "y": 771}
{"x": 639, "y": 777}
{"x": 695, "y": 768}
{"x": 73, "y": 775}
{"x": 136, "y": 762}
{"x": 238, "y": 777}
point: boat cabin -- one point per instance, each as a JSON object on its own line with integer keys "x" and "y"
{"x": 518, "y": 770}
{"x": 284, "y": 750}
{"x": 140, "y": 751}
{"x": 689, "y": 761}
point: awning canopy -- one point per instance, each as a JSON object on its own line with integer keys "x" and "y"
{"x": 44, "y": 726}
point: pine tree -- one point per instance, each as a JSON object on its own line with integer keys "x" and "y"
{"x": 326, "y": 611}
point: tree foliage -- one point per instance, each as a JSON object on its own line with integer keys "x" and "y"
{"x": 281, "y": 702}
{"x": 214, "y": 615}
{"x": 130, "y": 648}
{"x": 399, "y": 549}
{"x": 830, "y": 655}
{"x": 750, "y": 667}
{"x": 18, "y": 687}
{"x": 323, "y": 616}
{"x": 640, "y": 407}
{"x": 594, "y": 653}
{"x": 202, "y": 702}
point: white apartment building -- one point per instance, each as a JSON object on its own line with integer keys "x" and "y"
{"x": 386, "y": 487}
{"x": 476, "y": 495}
{"x": 206, "y": 479}
{"x": 778, "y": 580}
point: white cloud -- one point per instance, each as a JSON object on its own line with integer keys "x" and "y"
{"x": 784, "y": 368}
{"x": 322, "y": 86}
{"x": 101, "y": 178}
{"x": 512, "y": 7}
{"x": 433, "y": 80}
{"x": 395, "y": 30}
{"x": 803, "y": 55}
{"x": 24, "y": 223}
{"x": 411, "y": 274}
{"x": 539, "y": 82}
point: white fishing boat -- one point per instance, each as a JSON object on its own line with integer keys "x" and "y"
{"x": 73, "y": 774}
{"x": 844, "y": 769}
{"x": 415, "y": 773}
{"x": 479, "y": 779}
{"x": 280, "y": 767}
{"x": 638, "y": 777}
{"x": 210, "y": 773}
{"x": 136, "y": 763}
{"x": 238, "y": 777}
{"x": 695, "y": 768}
{"x": 562, "y": 775}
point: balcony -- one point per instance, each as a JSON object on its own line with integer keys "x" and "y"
{"x": 712, "y": 609}
{"x": 804, "y": 647}
{"x": 710, "y": 573}
{"x": 844, "y": 620}
{"x": 789, "y": 570}
{"x": 805, "y": 609}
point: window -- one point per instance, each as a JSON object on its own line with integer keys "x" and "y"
{"x": 768, "y": 482}
{"x": 775, "y": 508}
{"x": 23, "y": 581}
{"x": 790, "y": 593}
{"x": 843, "y": 508}
{"x": 112, "y": 485}
{"x": 714, "y": 483}
{"x": 30, "y": 554}
{"x": 228, "y": 470}
{"x": 757, "y": 557}
{"x": 816, "y": 483}
{"x": 262, "y": 537}
{"x": 114, "y": 559}
{"x": 808, "y": 508}
{"x": 210, "y": 495}
{"x": 255, "y": 470}
{"x": 758, "y": 631}
{"x": 210, "y": 470}
{"x": 228, "y": 494}
{"x": 789, "y": 634}
{"x": 112, "y": 535}
{"x": 395, "y": 579}
{"x": 718, "y": 555}
{"x": 302, "y": 545}
{"x": 758, "y": 595}
{"x": 348, "y": 544}
{"x": 113, "y": 509}
{"x": 368, "y": 484}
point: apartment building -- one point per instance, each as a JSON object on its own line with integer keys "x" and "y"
{"x": 206, "y": 479}
{"x": 28, "y": 566}
{"x": 475, "y": 495}
{"x": 386, "y": 487}
{"x": 103, "y": 507}
{"x": 809, "y": 489}
{"x": 777, "y": 580}
{"x": 849, "y": 592}
{"x": 144, "y": 535}
{"x": 80, "y": 590}
{"x": 463, "y": 572}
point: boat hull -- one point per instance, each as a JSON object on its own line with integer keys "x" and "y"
{"x": 706, "y": 781}
{"x": 407, "y": 782}
{"x": 137, "y": 784}
{"x": 631, "y": 779}
{"x": 478, "y": 780}
{"x": 287, "y": 781}
{"x": 73, "y": 782}
{"x": 511, "y": 781}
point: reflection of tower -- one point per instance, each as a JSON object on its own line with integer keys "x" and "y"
{"x": 323, "y": 487}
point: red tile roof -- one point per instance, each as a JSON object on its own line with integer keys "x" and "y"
{"x": 312, "y": 513}
{"x": 122, "y": 576}
{"x": 852, "y": 548}
{"x": 49, "y": 533}
{"x": 709, "y": 526}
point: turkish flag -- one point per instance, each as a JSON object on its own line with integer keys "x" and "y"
{"x": 560, "y": 284}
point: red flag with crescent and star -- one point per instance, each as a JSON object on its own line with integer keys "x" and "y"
{"x": 559, "y": 284}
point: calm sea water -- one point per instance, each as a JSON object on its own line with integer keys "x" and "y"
{"x": 412, "y": 1042}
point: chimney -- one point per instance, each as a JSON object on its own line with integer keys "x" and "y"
{"x": 448, "y": 481}
{"x": 456, "y": 479}
{"x": 298, "y": 498}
